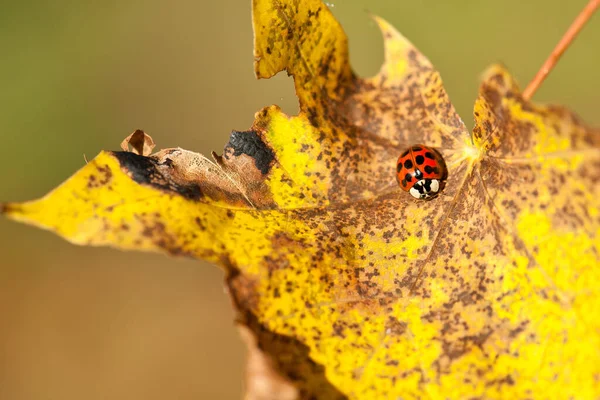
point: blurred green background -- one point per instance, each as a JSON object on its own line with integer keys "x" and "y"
{"x": 78, "y": 76}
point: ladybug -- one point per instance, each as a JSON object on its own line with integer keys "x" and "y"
{"x": 421, "y": 171}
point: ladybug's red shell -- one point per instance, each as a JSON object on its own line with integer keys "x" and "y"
{"x": 421, "y": 171}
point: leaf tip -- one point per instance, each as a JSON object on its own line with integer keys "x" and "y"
{"x": 382, "y": 23}
{"x": 19, "y": 212}
{"x": 399, "y": 53}
{"x": 498, "y": 78}
{"x": 8, "y": 209}
{"x": 387, "y": 29}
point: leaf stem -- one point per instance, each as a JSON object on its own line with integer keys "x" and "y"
{"x": 560, "y": 48}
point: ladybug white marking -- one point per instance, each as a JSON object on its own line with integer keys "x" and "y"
{"x": 425, "y": 188}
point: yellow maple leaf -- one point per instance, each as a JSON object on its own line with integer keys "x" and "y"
{"x": 351, "y": 286}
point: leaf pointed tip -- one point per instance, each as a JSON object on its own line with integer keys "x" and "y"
{"x": 8, "y": 209}
{"x": 19, "y": 212}
{"x": 389, "y": 32}
{"x": 496, "y": 68}
{"x": 498, "y": 76}
{"x": 12, "y": 208}
{"x": 381, "y": 22}
{"x": 399, "y": 52}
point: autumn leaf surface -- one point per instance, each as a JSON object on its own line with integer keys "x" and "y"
{"x": 351, "y": 286}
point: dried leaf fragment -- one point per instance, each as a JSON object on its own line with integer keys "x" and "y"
{"x": 263, "y": 381}
{"x": 141, "y": 143}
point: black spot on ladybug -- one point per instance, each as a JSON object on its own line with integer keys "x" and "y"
{"x": 399, "y": 167}
{"x": 430, "y": 155}
{"x": 404, "y": 182}
{"x": 419, "y": 159}
{"x": 428, "y": 169}
{"x": 417, "y": 148}
{"x": 407, "y": 177}
{"x": 404, "y": 154}
{"x": 250, "y": 143}
{"x": 143, "y": 170}
{"x": 436, "y": 170}
{"x": 408, "y": 164}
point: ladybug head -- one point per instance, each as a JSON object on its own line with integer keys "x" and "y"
{"x": 425, "y": 189}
